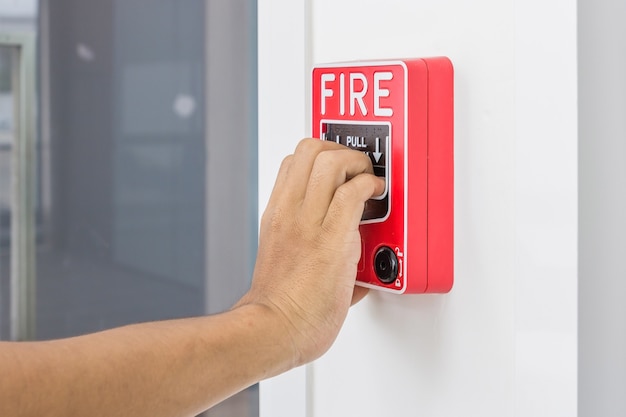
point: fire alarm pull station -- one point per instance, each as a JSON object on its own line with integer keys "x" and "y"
{"x": 400, "y": 113}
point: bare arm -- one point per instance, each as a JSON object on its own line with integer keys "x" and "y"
{"x": 302, "y": 287}
{"x": 170, "y": 368}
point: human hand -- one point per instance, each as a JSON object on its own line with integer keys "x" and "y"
{"x": 310, "y": 245}
{"x": 302, "y": 288}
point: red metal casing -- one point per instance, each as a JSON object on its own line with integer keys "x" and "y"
{"x": 400, "y": 112}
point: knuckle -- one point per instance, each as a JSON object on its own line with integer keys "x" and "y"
{"x": 285, "y": 165}
{"x": 286, "y": 224}
{"x": 346, "y": 193}
{"x": 286, "y": 161}
{"x": 328, "y": 160}
{"x": 345, "y": 160}
{"x": 273, "y": 220}
{"x": 309, "y": 146}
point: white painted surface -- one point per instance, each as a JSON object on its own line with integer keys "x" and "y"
{"x": 546, "y": 209}
{"x": 504, "y": 341}
{"x": 282, "y": 123}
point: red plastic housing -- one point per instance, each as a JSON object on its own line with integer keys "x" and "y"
{"x": 400, "y": 113}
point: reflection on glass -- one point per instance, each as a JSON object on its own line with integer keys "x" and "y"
{"x": 6, "y": 145}
{"x": 123, "y": 240}
{"x": 123, "y": 236}
{"x": 121, "y": 166}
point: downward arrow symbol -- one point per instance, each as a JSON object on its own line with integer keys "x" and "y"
{"x": 377, "y": 154}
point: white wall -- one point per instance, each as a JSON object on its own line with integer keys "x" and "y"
{"x": 504, "y": 341}
{"x": 283, "y": 67}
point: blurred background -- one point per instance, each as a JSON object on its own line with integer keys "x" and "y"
{"x": 128, "y": 149}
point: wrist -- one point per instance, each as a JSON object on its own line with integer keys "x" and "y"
{"x": 269, "y": 336}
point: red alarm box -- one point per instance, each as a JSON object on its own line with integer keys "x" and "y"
{"x": 400, "y": 113}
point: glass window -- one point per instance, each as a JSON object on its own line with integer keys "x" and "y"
{"x": 7, "y": 123}
{"x": 145, "y": 163}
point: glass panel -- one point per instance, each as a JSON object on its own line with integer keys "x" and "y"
{"x": 125, "y": 211}
{"x": 7, "y": 126}
{"x": 123, "y": 236}
{"x": 124, "y": 176}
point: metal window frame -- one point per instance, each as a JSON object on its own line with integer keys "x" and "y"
{"x": 23, "y": 278}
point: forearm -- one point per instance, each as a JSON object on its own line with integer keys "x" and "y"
{"x": 178, "y": 367}
{"x": 303, "y": 285}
